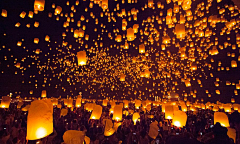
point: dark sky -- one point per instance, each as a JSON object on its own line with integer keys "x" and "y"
{"x": 53, "y": 51}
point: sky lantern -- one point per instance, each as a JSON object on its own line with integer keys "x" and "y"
{"x": 58, "y": 10}
{"x": 227, "y": 107}
{"x": 117, "y": 114}
{"x": 82, "y": 58}
{"x": 96, "y": 112}
{"x": 180, "y": 30}
{"x": 130, "y": 34}
{"x": 108, "y": 130}
{"x": 118, "y": 38}
{"x": 141, "y": 48}
{"x": 78, "y": 102}
{"x": 5, "y": 102}
{"x": 146, "y": 73}
{"x": 104, "y": 4}
{"x": 138, "y": 104}
{"x": 105, "y": 102}
{"x": 233, "y": 64}
{"x": 4, "y": 13}
{"x": 135, "y": 117}
{"x": 126, "y": 102}
{"x": 168, "y": 20}
{"x": 36, "y": 40}
{"x": 44, "y": 94}
{"x": 70, "y": 103}
{"x": 150, "y": 3}
{"x": 179, "y": 118}
{"x": 169, "y": 112}
{"x": 40, "y": 119}
{"x": 222, "y": 118}
{"x": 39, "y": 5}
{"x": 135, "y": 28}
{"x": 47, "y": 38}
{"x": 236, "y": 107}
{"x": 122, "y": 77}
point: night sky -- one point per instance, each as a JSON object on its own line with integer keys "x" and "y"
{"x": 55, "y": 68}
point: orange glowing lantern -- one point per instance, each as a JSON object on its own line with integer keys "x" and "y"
{"x": 39, "y": 5}
{"x": 40, "y": 119}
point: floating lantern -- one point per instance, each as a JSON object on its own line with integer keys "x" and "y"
{"x": 97, "y": 112}
{"x": 4, "y": 13}
{"x": 135, "y": 117}
{"x": 122, "y": 77}
{"x": 117, "y": 113}
{"x": 44, "y": 94}
{"x": 78, "y": 102}
{"x": 137, "y": 104}
{"x": 5, "y": 102}
{"x": 180, "y": 30}
{"x": 39, "y": 5}
{"x": 233, "y": 64}
{"x": 168, "y": 112}
{"x": 58, "y": 10}
{"x": 105, "y": 102}
{"x": 108, "y": 130}
{"x": 179, "y": 118}
{"x": 141, "y": 48}
{"x": 222, "y": 118}
{"x": 82, "y": 58}
{"x": 40, "y": 119}
{"x": 104, "y": 4}
{"x": 130, "y": 34}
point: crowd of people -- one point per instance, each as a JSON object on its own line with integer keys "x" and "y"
{"x": 199, "y": 129}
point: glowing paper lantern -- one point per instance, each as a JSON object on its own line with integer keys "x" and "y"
{"x": 122, "y": 77}
{"x": 227, "y": 107}
{"x": 104, "y": 4}
{"x": 44, "y": 94}
{"x": 105, "y": 102}
{"x": 40, "y": 119}
{"x": 126, "y": 102}
{"x": 222, "y": 118}
{"x": 58, "y": 10}
{"x": 137, "y": 104}
{"x": 39, "y": 5}
{"x": 168, "y": 112}
{"x": 108, "y": 130}
{"x": 233, "y": 64}
{"x": 179, "y": 118}
{"x": 4, "y": 13}
{"x": 74, "y": 137}
{"x": 82, "y": 58}
{"x": 78, "y": 102}
{"x": 135, "y": 117}
{"x": 180, "y": 30}
{"x": 97, "y": 112}
{"x": 141, "y": 48}
{"x": 130, "y": 34}
{"x": 117, "y": 113}
{"x": 5, "y": 102}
